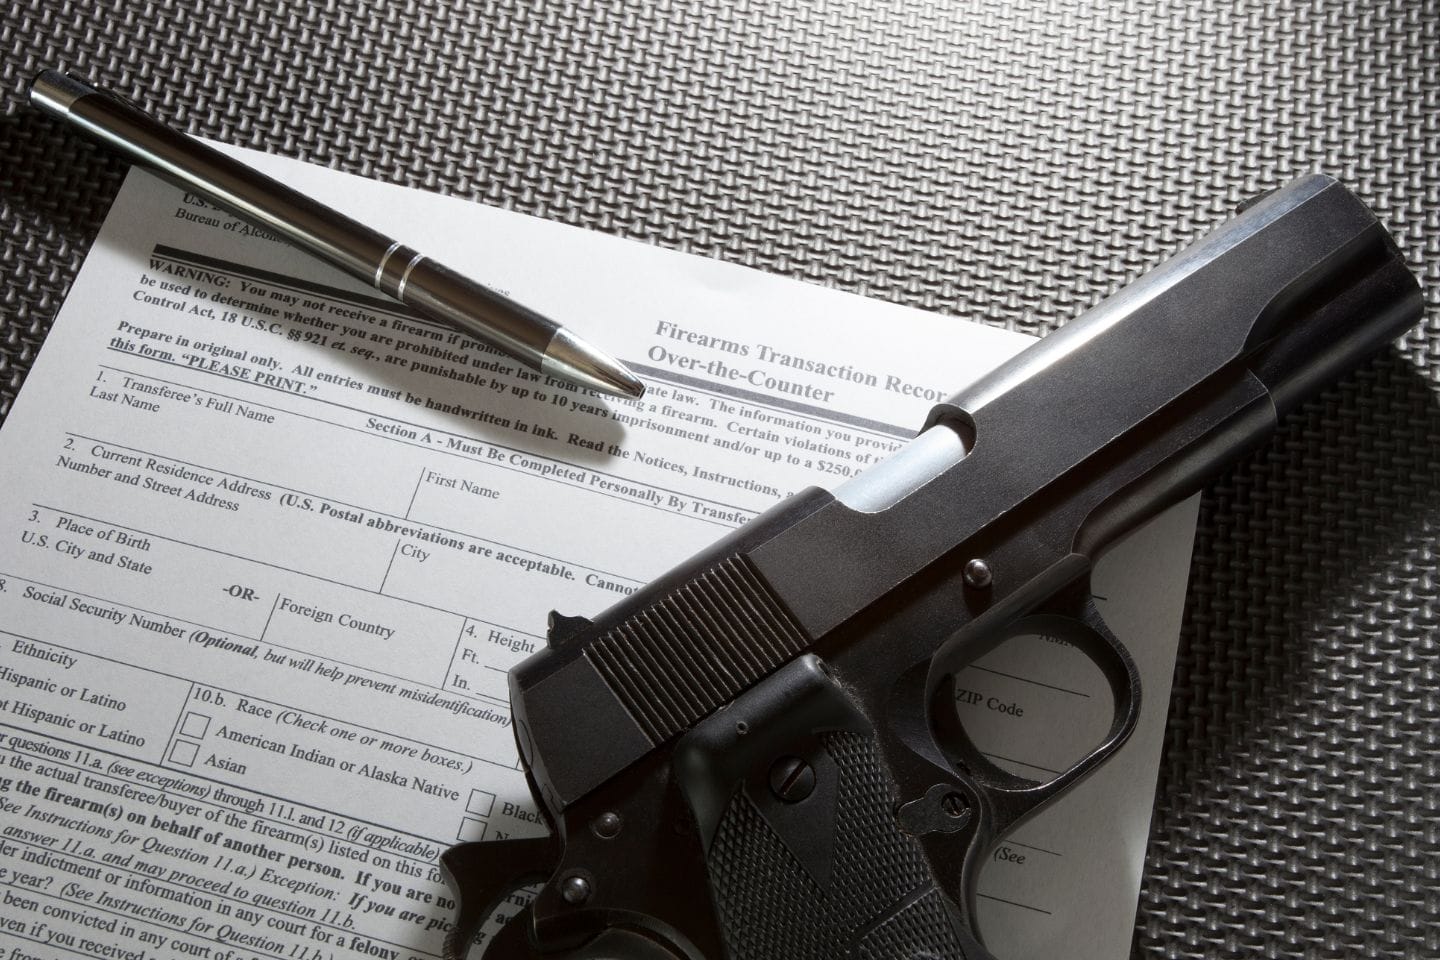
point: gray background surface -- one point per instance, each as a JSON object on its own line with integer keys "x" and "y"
{"x": 1003, "y": 162}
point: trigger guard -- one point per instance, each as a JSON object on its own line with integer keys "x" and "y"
{"x": 1013, "y": 797}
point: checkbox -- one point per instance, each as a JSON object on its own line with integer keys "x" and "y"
{"x": 481, "y": 803}
{"x": 195, "y": 725}
{"x": 183, "y": 752}
{"x": 471, "y": 829}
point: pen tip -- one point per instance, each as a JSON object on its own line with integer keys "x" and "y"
{"x": 630, "y": 385}
{"x": 571, "y": 358}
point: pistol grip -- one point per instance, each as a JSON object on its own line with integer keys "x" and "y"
{"x": 803, "y": 849}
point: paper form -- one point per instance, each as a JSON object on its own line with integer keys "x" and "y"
{"x": 268, "y": 546}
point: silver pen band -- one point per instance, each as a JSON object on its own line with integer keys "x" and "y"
{"x": 380, "y": 269}
{"x": 395, "y": 268}
{"x": 400, "y": 287}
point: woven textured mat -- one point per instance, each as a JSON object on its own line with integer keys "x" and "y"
{"x": 1005, "y": 162}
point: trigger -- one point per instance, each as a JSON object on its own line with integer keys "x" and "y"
{"x": 481, "y": 875}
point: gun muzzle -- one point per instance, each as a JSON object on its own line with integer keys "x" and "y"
{"x": 1301, "y": 286}
{"x": 1356, "y": 302}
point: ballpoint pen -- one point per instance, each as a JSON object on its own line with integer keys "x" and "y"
{"x": 431, "y": 290}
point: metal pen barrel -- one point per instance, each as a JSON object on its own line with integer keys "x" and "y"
{"x": 432, "y": 290}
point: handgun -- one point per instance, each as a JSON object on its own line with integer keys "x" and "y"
{"x": 758, "y": 756}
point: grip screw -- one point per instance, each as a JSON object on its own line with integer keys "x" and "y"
{"x": 791, "y": 779}
{"x": 607, "y": 825}
{"x": 978, "y": 575}
{"x": 575, "y": 889}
